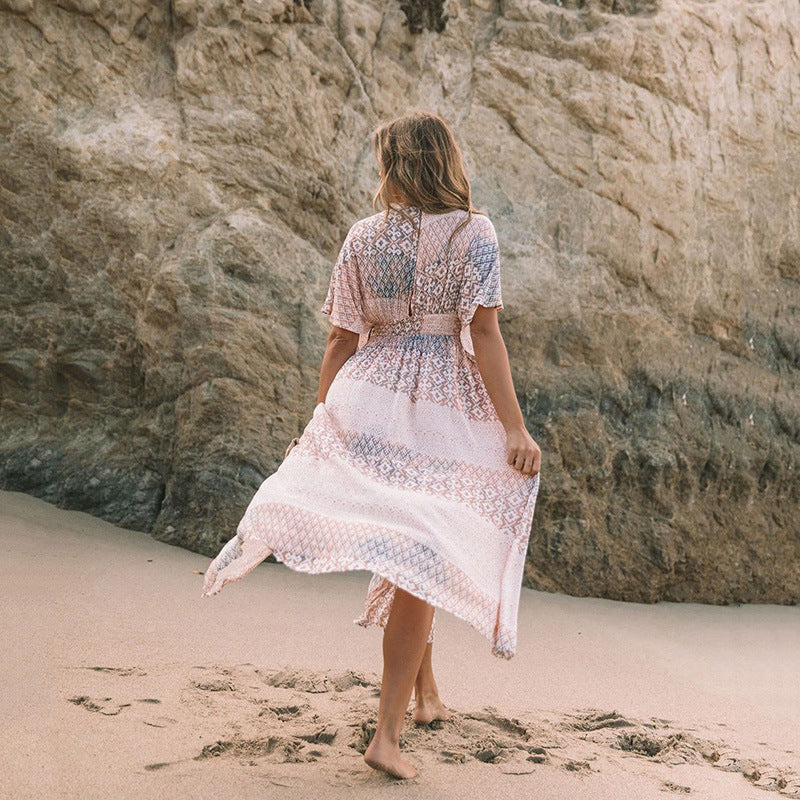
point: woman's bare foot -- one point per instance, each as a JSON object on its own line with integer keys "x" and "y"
{"x": 427, "y": 709}
{"x": 387, "y": 758}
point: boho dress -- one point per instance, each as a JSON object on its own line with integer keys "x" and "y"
{"x": 402, "y": 470}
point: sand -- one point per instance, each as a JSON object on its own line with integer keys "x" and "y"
{"x": 119, "y": 680}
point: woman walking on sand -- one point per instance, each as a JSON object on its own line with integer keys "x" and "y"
{"x": 416, "y": 463}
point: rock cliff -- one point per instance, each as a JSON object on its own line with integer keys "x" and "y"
{"x": 176, "y": 179}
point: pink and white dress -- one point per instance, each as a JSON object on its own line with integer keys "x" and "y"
{"x": 402, "y": 470}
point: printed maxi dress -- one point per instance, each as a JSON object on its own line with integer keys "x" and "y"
{"x": 402, "y": 470}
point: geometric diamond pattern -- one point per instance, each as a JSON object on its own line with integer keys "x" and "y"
{"x": 497, "y": 495}
{"x": 311, "y": 542}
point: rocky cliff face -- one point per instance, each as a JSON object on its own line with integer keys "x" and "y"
{"x": 176, "y": 179}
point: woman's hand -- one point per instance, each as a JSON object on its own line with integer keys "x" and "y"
{"x": 522, "y": 452}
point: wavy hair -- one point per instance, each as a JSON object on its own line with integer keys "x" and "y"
{"x": 422, "y": 166}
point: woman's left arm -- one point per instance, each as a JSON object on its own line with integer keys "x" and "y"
{"x": 340, "y": 346}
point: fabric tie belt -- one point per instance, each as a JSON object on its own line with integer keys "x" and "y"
{"x": 448, "y": 324}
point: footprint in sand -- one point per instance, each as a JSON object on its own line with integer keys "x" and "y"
{"x": 306, "y": 680}
{"x": 102, "y": 705}
{"x": 592, "y": 720}
{"x": 669, "y": 786}
{"x": 221, "y": 685}
{"x": 282, "y": 749}
{"x": 109, "y": 707}
{"x": 285, "y": 713}
{"x": 124, "y": 672}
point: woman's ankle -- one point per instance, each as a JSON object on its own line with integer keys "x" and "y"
{"x": 382, "y": 739}
{"x": 426, "y": 694}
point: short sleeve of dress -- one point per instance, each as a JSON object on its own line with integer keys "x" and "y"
{"x": 481, "y": 286}
{"x": 343, "y": 302}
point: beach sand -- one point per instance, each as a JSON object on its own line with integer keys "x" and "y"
{"x": 119, "y": 680}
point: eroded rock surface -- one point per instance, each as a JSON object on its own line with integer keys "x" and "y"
{"x": 176, "y": 179}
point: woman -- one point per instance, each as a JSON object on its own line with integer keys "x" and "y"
{"x": 416, "y": 463}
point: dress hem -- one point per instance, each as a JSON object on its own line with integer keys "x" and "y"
{"x": 213, "y": 585}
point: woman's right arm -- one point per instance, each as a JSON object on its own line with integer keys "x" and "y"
{"x": 340, "y": 346}
{"x": 491, "y": 358}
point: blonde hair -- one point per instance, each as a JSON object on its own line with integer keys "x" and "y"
{"x": 422, "y": 161}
